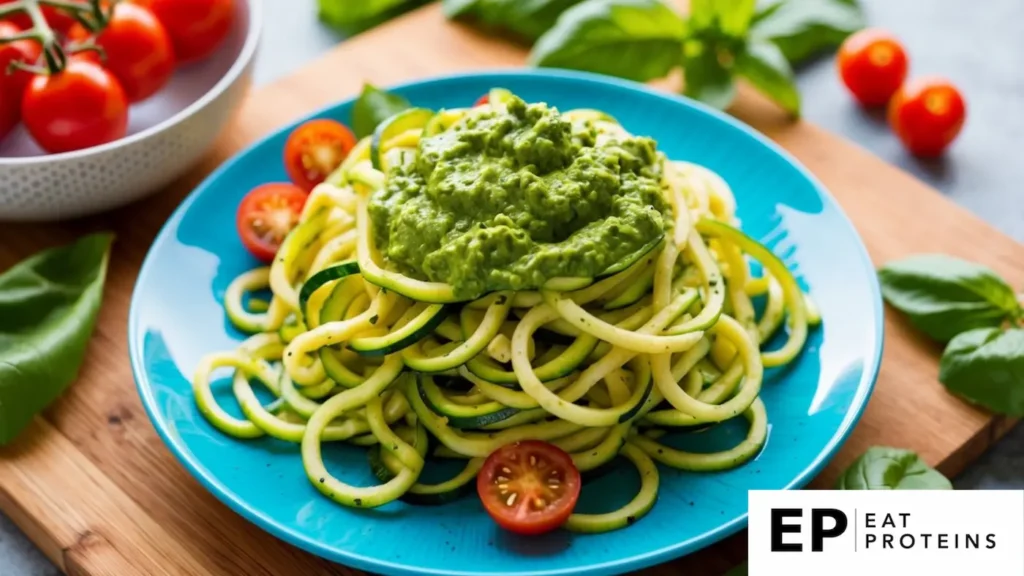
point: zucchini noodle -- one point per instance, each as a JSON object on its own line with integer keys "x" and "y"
{"x": 353, "y": 350}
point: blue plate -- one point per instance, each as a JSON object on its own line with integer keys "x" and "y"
{"x": 176, "y": 318}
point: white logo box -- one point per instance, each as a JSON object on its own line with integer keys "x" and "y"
{"x": 921, "y": 533}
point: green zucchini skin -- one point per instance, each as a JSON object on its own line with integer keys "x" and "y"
{"x": 404, "y": 337}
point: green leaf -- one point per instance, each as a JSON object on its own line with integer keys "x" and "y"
{"x": 635, "y": 39}
{"x": 373, "y": 107}
{"x": 883, "y": 468}
{"x": 729, "y": 17}
{"x": 527, "y": 18}
{"x": 763, "y": 64}
{"x": 985, "y": 366}
{"x": 353, "y": 17}
{"x": 48, "y": 306}
{"x": 944, "y": 296}
{"x": 805, "y": 28}
{"x": 706, "y": 78}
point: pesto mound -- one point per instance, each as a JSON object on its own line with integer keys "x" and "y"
{"x": 505, "y": 200}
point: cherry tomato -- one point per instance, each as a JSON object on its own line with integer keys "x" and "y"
{"x": 529, "y": 487}
{"x": 873, "y": 65}
{"x": 927, "y": 115}
{"x": 59, "y": 20}
{"x": 196, "y": 27}
{"x": 138, "y": 50}
{"x": 315, "y": 149}
{"x": 20, "y": 50}
{"x": 10, "y": 111}
{"x": 485, "y": 99}
{"x": 81, "y": 107}
{"x": 266, "y": 215}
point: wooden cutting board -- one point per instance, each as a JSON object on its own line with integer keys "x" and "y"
{"x": 95, "y": 488}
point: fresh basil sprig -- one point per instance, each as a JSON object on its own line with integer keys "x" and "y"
{"x": 48, "y": 307}
{"x": 717, "y": 42}
{"x": 973, "y": 309}
{"x": 944, "y": 296}
{"x": 355, "y": 16}
{"x": 884, "y": 468}
{"x": 525, "y": 18}
{"x": 634, "y": 39}
{"x": 803, "y": 29}
{"x": 373, "y": 107}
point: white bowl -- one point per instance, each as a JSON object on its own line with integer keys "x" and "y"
{"x": 167, "y": 134}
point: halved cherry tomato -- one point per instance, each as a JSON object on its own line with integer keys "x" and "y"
{"x": 927, "y": 114}
{"x": 266, "y": 215}
{"x": 138, "y": 50}
{"x": 485, "y": 99}
{"x": 197, "y": 27}
{"x": 315, "y": 149}
{"x": 529, "y": 487}
{"x": 80, "y": 107}
{"x": 873, "y": 65}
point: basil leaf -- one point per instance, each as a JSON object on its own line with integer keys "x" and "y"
{"x": 805, "y": 28}
{"x": 373, "y": 107}
{"x": 883, "y": 468}
{"x": 763, "y": 64}
{"x": 635, "y": 39}
{"x": 986, "y": 367}
{"x": 527, "y": 18}
{"x": 944, "y": 296}
{"x": 730, "y": 17}
{"x": 706, "y": 78}
{"x": 48, "y": 306}
{"x": 354, "y": 17}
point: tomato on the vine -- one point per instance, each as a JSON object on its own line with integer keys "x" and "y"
{"x": 196, "y": 27}
{"x": 59, "y": 20}
{"x": 315, "y": 149}
{"x": 12, "y": 85}
{"x": 873, "y": 65}
{"x": 529, "y": 487}
{"x": 927, "y": 114}
{"x": 79, "y": 107}
{"x": 138, "y": 50}
{"x": 266, "y": 215}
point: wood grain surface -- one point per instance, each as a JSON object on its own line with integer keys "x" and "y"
{"x": 92, "y": 484}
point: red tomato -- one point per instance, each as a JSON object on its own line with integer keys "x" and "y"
{"x": 315, "y": 149}
{"x": 266, "y": 215}
{"x": 485, "y": 99}
{"x": 138, "y": 50}
{"x": 196, "y": 27}
{"x": 529, "y": 487}
{"x": 10, "y": 111}
{"x": 81, "y": 107}
{"x": 59, "y": 20}
{"x": 23, "y": 50}
{"x": 927, "y": 115}
{"x": 873, "y": 65}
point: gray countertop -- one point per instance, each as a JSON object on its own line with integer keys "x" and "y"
{"x": 980, "y": 49}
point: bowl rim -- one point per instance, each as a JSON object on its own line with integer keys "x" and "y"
{"x": 245, "y": 56}
{"x": 858, "y": 404}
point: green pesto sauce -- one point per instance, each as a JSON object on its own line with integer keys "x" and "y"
{"x": 505, "y": 200}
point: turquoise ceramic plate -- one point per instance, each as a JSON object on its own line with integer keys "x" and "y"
{"x": 176, "y": 318}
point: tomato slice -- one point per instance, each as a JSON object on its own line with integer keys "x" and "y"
{"x": 529, "y": 487}
{"x": 266, "y": 215}
{"x": 485, "y": 99}
{"x": 315, "y": 149}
